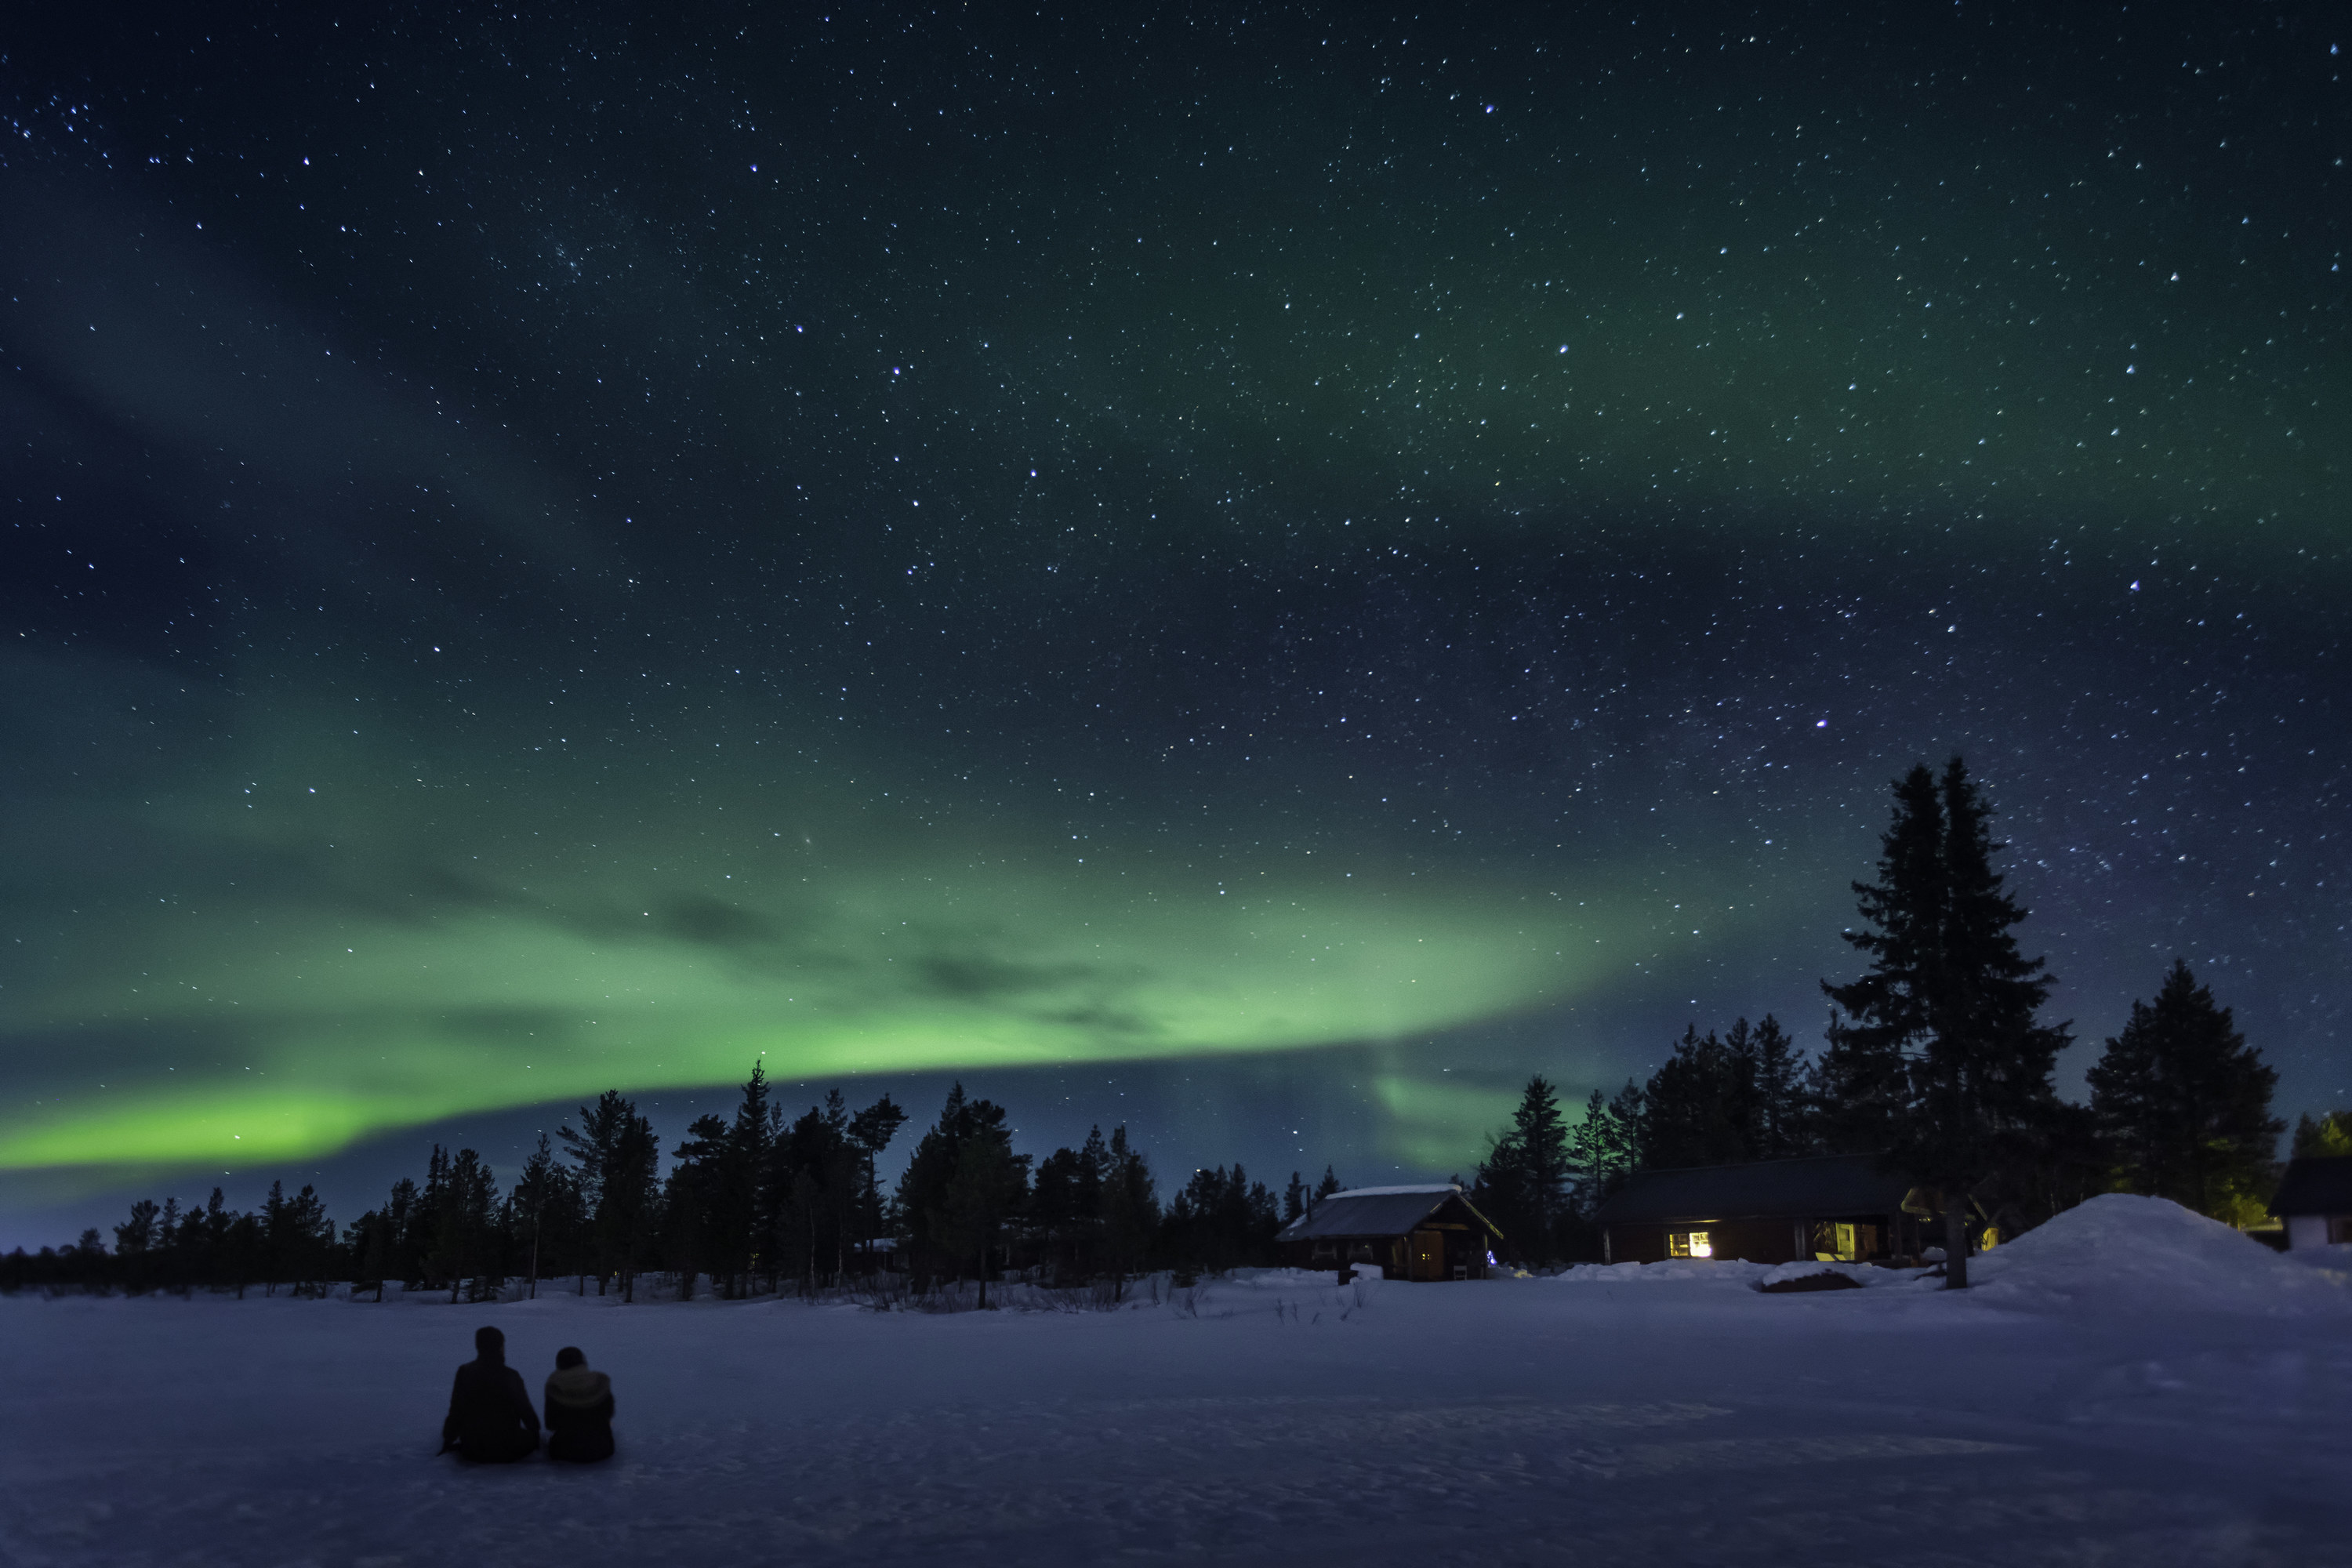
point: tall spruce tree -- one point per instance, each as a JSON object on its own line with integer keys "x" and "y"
{"x": 1863, "y": 1093}
{"x": 1782, "y": 1126}
{"x": 1523, "y": 1182}
{"x": 1727, "y": 1100}
{"x": 1940, "y": 1039}
{"x": 984, "y": 1185}
{"x": 535, "y": 1191}
{"x": 733, "y": 1203}
{"x": 871, "y": 1131}
{"x": 2184, "y": 1103}
{"x": 689, "y": 1201}
{"x": 1219, "y": 1220}
{"x": 1701, "y": 1103}
{"x": 931, "y": 1172}
{"x": 1607, "y": 1144}
{"x": 466, "y": 1250}
{"x": 1130, "y": 1209}
{"x": 617, "y": 1159}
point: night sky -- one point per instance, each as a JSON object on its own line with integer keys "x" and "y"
{"x": 1257, "y": 573}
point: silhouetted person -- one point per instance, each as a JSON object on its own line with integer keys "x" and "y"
{"x": 579, "y": 1410}
{"x": 490, "y": 1419}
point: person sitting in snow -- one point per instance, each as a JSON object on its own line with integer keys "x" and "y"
{"x": 579, "y": 1410}
{"x": 490, "y": 1420}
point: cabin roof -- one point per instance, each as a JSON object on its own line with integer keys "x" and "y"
{"x": 1766, "y": 1189}
{"x": 2314, "y": 1183}
{"x": 1376, "y": 1211}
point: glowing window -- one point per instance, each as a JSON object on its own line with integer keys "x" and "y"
{"x": 1688, "y": 1244}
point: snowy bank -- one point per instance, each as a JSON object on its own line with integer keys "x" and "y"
{"x": 2117, "y": 1253}
{"x": 1666, "y": 1416}
{"x": 2121, "y": 1253}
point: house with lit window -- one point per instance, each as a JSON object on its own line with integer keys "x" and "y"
{"x": 1407, "y": 1233}
{"x": 2314, "y": 1200}
{"x": 1837, "y": 1208}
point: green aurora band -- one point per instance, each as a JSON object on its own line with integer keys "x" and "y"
{"x": 377, "y": 951}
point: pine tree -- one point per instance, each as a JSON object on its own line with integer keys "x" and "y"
{"x": 740, "y": 1162}
{"x": 1698, "y": 1102}
{"x": 1220, "y": 1221}
{"x": 213, "y": 1227}
{"x": 1939, "y": 1037}
{"x": 2184, "y": 1103}
{"x": 816, "y": 1173}
{"x": 923, "y": 1190}
{"x": 1293, "y": 1200}
{"x": 1862, "y": 1086}
{"x": 870, "y": 1133}
{"x": 534, "y": 1191}
{"x": 1523, "y": 1182}
{"x": 1782, "y": 1128}
{"x": 631, "y": 1206}
{"x": 1130, "y": 1209}
{"x": 305, "y": 1240}
{"x": 423, "y": 1238}
{"x": 464, "y": 1251}
{"x": 689, "y": 1200}
{"x": 275, "y": 1239}
{"x": 2326, "y": 1136}
{"x": 1607, "y": 1144}
{"x": 1326, "y": 1186}
{"x": 616, "y": 1158}
{"x": 987, "y": 1183}
{"x": 132, "y": 1239}
{"x": 171, "y": 1272}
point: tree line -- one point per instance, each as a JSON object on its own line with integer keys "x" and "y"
{"x": 749, "y": 1204}
{"x": 1935, "y": 1060}
{"x": 1938, "y": 1061}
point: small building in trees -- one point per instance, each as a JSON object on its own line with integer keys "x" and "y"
{"x": 2314, "y": 1200}
{"x": 1408, "y": 1233}
{"x": 1836, "y": 1207}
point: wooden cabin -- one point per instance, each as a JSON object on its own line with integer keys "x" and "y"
{"x": 1408, "y": 1233}
{"x": 2314, "y": 1200}
{"x": 1838, "y": 1207}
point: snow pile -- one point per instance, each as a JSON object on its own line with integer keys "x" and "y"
{"x": 2121, "y": 1253}
{"x": 1727, "y": 1272}
{"x": 1724, "y": 1273}
{"x": 1860, "y": 1273}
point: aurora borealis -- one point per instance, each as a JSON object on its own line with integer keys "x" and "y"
{"x": 1259, "y": 572}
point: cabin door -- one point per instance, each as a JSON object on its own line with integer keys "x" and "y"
{"x": 1428, "y": 1255}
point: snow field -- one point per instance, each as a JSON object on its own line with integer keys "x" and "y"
{"x": 2143, "y": 1393}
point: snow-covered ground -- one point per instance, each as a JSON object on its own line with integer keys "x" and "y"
{"x": 2130, "y": 1386}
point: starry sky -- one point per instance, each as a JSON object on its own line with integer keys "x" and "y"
{"x": 1261, "y": 574}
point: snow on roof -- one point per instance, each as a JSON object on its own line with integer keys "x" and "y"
{"x": 1373, "y": 1212}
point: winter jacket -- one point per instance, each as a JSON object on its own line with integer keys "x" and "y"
{"x": 490, "y": 1417}
{"x": 579, "y": 1415}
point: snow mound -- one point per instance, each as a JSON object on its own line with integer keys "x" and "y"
{"x": 1723, "y": 1272}
{"x": 1860, "y": 1273}
{"x": 2122, "y": 1253}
